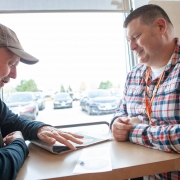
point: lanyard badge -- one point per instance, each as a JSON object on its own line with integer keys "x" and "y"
{"x": 148, "y": 102}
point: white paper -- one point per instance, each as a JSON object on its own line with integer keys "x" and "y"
{"x": 94, "y": 160}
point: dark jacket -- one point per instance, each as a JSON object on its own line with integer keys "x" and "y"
{"x": 12, "y": 156}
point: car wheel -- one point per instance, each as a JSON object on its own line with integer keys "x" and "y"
{"x": 41, "y": 108}
{"x": 37, "y": 110}
{"x": 89, "y": 111}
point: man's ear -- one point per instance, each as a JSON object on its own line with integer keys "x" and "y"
{"x": 162, "y": 25}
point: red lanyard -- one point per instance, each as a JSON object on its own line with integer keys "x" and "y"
{"x": 148, "y": 101}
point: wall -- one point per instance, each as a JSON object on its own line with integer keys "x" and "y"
{"x": 172, "y": 8}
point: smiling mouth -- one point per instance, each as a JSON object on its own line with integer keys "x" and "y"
{"x": 4, "y": 81}
{"x": 138, "y": 53}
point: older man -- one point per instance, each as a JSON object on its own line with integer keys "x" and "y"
{"x": 14, "y": 130}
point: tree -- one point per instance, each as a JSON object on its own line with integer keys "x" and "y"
{"x": 25, "y": 85}
{"x": 105, "y": 85}
{"x": 62, "y": 89}
{"x": 69, "y": 89}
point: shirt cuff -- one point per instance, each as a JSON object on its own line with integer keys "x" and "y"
{"x": 136, "y": 133}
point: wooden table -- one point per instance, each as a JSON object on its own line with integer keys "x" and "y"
{"x": 128, "y": 160}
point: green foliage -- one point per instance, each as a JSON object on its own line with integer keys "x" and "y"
{"x": 69, "y": 89}
{"x": 62, "y": 89}
{"x": 25, "y": 85}
{"x": 105, "y": 85}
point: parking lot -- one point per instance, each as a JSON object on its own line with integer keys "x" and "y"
{"x": 68, "y": 115}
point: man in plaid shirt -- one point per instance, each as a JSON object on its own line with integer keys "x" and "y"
{"x": 149, "y": 112}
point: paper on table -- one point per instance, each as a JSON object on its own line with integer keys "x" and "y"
{"x": 94, "y": 160}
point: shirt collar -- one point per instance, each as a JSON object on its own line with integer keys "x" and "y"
{"x": 175, "y": 58}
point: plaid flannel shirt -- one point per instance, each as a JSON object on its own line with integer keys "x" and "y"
{"x": 165, "y": 135}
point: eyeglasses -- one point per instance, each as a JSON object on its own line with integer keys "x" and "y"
{"x": 1, "y": 140}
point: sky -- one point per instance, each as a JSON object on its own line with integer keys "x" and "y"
{"x": 72, "y": 48}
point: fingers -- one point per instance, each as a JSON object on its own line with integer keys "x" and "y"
{"x": 75, "y": 135}
{"x": 121, "y": 129}
{"x": 65, "y": 137}
{"x": 12, "y": 136}
{"x": 122, "y": 124}
{"x": 51, "y": 139}
{"x": 124, "y": 120}
{"x": 72, "y": 137}
{"x": 51, "y": 135}
{"x": 46, "y": 137}
{"x": 120, "y": 135}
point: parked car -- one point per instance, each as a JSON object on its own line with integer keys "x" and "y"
{"x": 24, "y": 104}
{"x": 62, "y": 100}
{"x": 99, "y": 101}
{"x": 40, "y": 100}
{"x": 116, "y": 92}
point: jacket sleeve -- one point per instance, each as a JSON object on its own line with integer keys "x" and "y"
{"x": 11, "y": 159}
{"x": 164, "y": 137}
{"x": 11, "y": 122}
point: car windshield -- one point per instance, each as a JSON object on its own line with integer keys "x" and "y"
{"x": 94, "y": 94}
{"x": 58, "y": 96}
{"x": 19, "y": 98}
{"x": 38, "y": 96}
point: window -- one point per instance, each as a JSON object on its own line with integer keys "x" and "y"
{"x": 77, "y": 50}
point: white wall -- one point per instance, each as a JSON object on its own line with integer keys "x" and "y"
{"x": 172, "y": 8}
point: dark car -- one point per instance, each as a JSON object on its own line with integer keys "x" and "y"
{"x": 24, "y": 104}
{"x": 40, "y": 100}
{"x": 99, "y": 101}
{"x": 62, "y": 100}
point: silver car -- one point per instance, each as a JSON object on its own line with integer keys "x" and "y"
{"x": 24, "y": 104}
{"x": 62, "y": 100}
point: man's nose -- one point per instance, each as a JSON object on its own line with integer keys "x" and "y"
{"x": 133, "y": 45}
{"x": 13, "y": 73}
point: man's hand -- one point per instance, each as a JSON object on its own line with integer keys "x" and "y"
{"x": 50, "y": 135}
{"x": 12, "y": 136}
{"x": 121, "y": 128}
{"x": 134, "y": 121}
